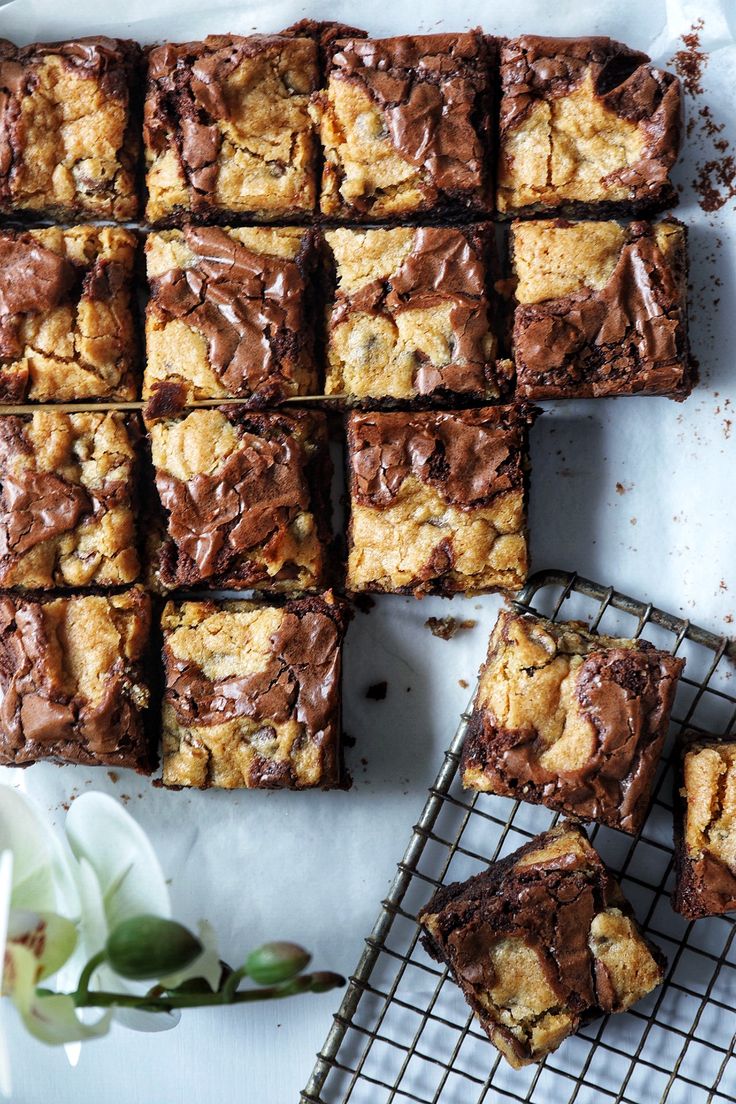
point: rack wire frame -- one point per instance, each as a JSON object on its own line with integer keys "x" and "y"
{"x": 403, "y": 1031}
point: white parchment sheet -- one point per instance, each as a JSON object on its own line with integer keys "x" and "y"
{"x": 638, "y": 493}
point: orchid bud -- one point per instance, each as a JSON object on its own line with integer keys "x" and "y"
{"x": 323, "y": 981}
{"x": 276, "y": 962}
{"x": 151, "y": 947}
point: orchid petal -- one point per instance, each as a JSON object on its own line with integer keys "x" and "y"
{"x": 43, "y": 879}
{"x": 52, "y": 1017}
{"x": 136, "y": 1019}
{"x": 50, "y": 938}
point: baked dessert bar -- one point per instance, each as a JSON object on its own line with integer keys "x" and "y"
{"x": 245, "y": 496}
{"x": 230, "y": 314}
{"x": 540, "y": 943}
{"x": 705, "y": 829}
{"x": 602, "y": 309}
{"x": 67, "y": 331}
{"x": 252, "y": 694}
{"x": 227, "y": 131}
{"x": 73, "y": 685}
{"x": 410, "y": 318}
{"x": 588, "y": 126}
{"x": 437, "y": 500}
{"x": 569, "y": 719}
{"x": 67, "y": 485}
{"x": 404, "y": 124}
{"x": 69, "y": 129}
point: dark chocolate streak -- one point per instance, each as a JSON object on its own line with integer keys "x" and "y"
{"x": 32, "y": 279}
{"x": 247, "y": 305}
{"x": 469, "y": 457}
{"x": 40, "y": 718}
{"x": 443, "y": 267}
{"x": 705, "y": 885}
{"x": 431, "y": 91}
{"x": 628, "y": 337}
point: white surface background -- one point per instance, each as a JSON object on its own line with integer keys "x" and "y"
{"x": 313, "y": 866}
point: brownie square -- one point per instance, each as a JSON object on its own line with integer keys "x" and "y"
{"x": 569, "y": 719}
{"x": 705, "y": 828}
{"x": 67, "y": 485}
{"x": 68, "y": 128}
{"x": 73, "y": 683}
{"x": 410, "y": 319}
{"x": 67, "y": 331}
{"x": 404, "y": 124}
{"x": 252, "y": 694}
{"x": 540, "y": 943}
{"x": 602, "y": 309}
{"x": 245, "y": 496}
{"x": 230, "y": 314}
{"x": 227, "y": 131}
{"x": 438, "y": 500}
{"x": 587, "y": 126}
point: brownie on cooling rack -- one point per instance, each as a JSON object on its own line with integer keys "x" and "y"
{"x": 569, "y": 719}
{"x": 705, "y": 829}
{"x": 540, "y": 943}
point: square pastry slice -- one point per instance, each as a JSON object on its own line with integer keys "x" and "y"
{"x": 405, "y": 127}
{"x": 73, "y": 683}
{"x": 231, "y": 313}
{"x": 227, "y": 130}
{"x": 705, "y": 829}
{"x": 69, "y": 129}
{"x": 587, "y": 125}
{"x": 252, "y": 694}
{"x": 602, "y": 309}
{"x": 67, "y": 486}
{"x": 438, "y": 500}
{"x": 540, "y": 943}
{"x": 67, "y": 330}
{"x": 410, "y": 318}
{"x": 245, "y": 498}
{"x": 569, "y": 719}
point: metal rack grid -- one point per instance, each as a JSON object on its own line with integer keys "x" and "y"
{"x": 403, "y": 1031}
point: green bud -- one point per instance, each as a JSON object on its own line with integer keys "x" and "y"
{"x": 276, "y": 962}
{"x": 323, "y": 981}
{"x": 150, "y": 947}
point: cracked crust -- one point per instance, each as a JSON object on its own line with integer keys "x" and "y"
{"x": 252, "y": 694}
{"x": 437, "y": 501}
{"x": 602, "y": 309}
{"x": 66, "y": 500}
{"x": 404, "y": 124}
{"x": 230, "y": 313}
{"x": 570, "y": 720}
{"x": 68, "y": 128}
{"x": 705, "y": 829}
{"x": 72, "y": 682}
{"x": 585, "y": 123}
{"x": 226, "y": 129}
{"x": 245, "y": 499}
{"x": 410, "y": 316}
{"x": 66, "y": 317}
{"x": 540, "y": 943}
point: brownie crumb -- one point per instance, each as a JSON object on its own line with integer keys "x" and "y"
{"x": 447, "y": 627}
{"x": 464, "y": 683}
{"x": 377, "y": 691}
{"x": 113, "y": 776}
{"x": 364, "y": 603}
{"x": 348, "y": 741}
{"x": 690, "y": 62}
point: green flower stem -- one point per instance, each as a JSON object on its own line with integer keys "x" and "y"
{"x": 82, "y": 993}
{"x": 297, "y": 985}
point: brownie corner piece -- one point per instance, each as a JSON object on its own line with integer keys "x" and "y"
{"x": 404, "y": 124}
{"x": 540, "y": 943}
{"x": 705, "y": 814}
{"x": 601, "y": 309}
{"x": 231, "y": 313}
{"x": 252, "y": 694}
{"x": 412, "y": 316}
{"x": 69, "y": 129}
{"x": 438, "y": 500}
{"x": 586, "y": 124}
{"x": 73, "y": 679}
{"x": 244, "y": 499}
{"x": 227, "y": 132}
{"x": 67, "y": 325}
{"x": 569, "y": 719}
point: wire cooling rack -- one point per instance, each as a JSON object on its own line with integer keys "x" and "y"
{"x": 404, "y": 1032}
